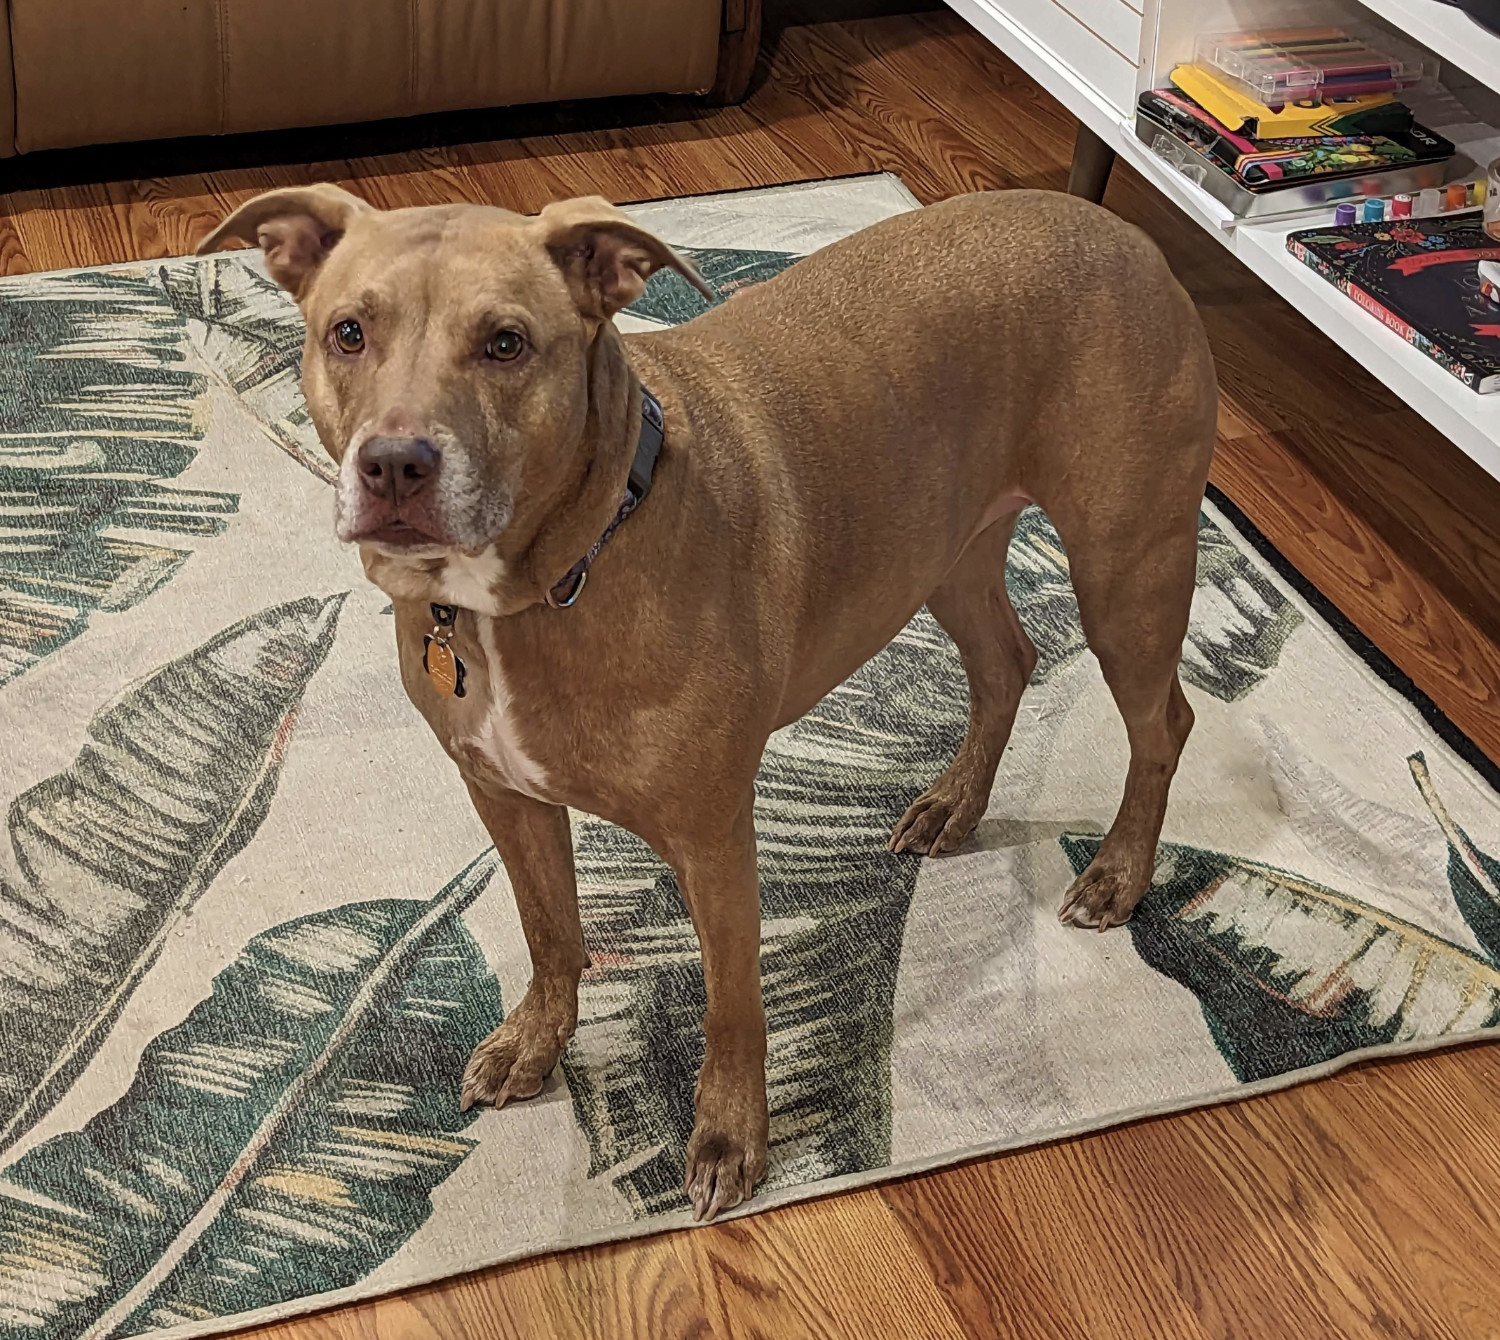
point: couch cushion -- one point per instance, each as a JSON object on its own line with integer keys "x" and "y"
{"x": 546, "y": 50}
{"x": 81, "y": 67}
{"x": 308, "y": 62}
{"x": 7, "y": 87}
{"x": 86, "y": 74}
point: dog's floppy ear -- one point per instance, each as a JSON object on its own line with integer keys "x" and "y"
{"x": 606, "y": 258}
{"x": 296, "y": 229}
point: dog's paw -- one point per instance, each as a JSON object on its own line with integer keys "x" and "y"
{"x": 1106, "y": 893}
{"x": 722, "y": 1168}
{"x": 939, "y": 819}
{"x": 515, "y": 1060}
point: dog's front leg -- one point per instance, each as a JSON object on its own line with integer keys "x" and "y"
{"x": 535, "y": 842}
{"x": 726, "y": 1154}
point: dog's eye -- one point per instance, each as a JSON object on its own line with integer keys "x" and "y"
{"x": 505, "y": 346}
{"x": 349, "y": 338}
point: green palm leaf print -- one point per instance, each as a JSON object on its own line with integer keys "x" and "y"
{"x": 99, "y": 410}
{"x": 1473, "y": 874}
{"x": 281, "y": 1141}
{"x": 175, "y": 777}
{"x": 670, "y": 300}
{"x": 250, "y": 332}
{"x": 1290, "y": 973}
{"x": 1239, "y": 627}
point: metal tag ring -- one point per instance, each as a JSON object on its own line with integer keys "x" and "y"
{"x": 552, "y": 598}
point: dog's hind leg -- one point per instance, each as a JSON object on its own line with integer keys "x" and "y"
{"x": 1134, "y": 582}
{"x": 974, "y": 609}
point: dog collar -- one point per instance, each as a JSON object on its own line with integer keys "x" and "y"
{"x": 647, "y": 449}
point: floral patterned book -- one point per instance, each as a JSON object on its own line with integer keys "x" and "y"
{"x": 1421, "y": 278}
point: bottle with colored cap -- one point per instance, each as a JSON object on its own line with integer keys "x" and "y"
{"x": 1373, "y": 211}
{"x": 1401, "y": 207}
{"x": 1343, "y": 215}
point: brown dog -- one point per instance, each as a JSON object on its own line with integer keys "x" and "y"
{"x": 843, "y": 444}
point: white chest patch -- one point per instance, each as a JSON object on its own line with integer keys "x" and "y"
{"x": 496, "y": 743}
{"x": 448, "y": 578}
{"x": 470, "y": 583}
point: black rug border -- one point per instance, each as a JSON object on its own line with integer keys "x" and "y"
{"x": 1357, "y": 642}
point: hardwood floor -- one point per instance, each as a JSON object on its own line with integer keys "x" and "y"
{"x": 1365, "y": 1205}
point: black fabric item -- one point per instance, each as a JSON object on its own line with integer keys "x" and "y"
{"x": 1486, "y": 13}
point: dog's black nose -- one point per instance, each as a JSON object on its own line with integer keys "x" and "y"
{"x": 397, "y": 467}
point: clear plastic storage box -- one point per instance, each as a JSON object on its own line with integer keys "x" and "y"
{"x": 1309, "y": 64}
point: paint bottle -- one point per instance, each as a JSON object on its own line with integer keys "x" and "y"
{"x": 1429, "y": 202}
{"x": 1492, "y": 200}
{"x": 1401, "y": 207}
{"x": 1373, "y": 211}
{"x": 1343, "y": 215}
{"x": 1455, "y": 195}
{"x": 1489, "y": 282}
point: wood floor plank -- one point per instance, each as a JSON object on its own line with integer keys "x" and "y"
{"x": 1439, "y": 509}
{"x": 832, "y": 1269}
{"x": 1271, "y": 1184}
{"x": 634, "y": 1288}
{"x": 1077, "y": 1269}
{"x": 356, "y": 1322}
{"x": 533, "y": 1300}
{"x": 1444, "y": 652}
{"x": 1364, "y": 1205}
{"x": 983, "y": 1262}
{"x": 1272, "y": 359}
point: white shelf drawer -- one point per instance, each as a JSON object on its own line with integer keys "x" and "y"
{"x": 1114, "y": 22}
{"x": 1092, "y": 42}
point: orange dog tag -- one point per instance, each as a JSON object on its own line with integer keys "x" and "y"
{"x": 442, "y": 663}
{"x": 442, "y": 667}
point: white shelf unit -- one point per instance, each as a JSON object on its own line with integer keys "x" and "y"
{"x": 1064, "y": 57}
{"x": 1191, "y": 198}
{"x": 1470, "y": 420}
{"x": 1448, "y": 32}
{"x": 1033, "y": 45}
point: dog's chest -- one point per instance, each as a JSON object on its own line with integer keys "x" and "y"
{"x": 489, "y": 732}
{"x": 496, "y": 744}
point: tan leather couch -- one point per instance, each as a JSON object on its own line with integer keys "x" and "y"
{"x": 103, "y": 71}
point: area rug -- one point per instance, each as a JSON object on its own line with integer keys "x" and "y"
{"x": 250, "y": 928}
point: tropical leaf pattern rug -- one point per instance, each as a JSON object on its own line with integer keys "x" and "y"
{"x": 250, "y": 927}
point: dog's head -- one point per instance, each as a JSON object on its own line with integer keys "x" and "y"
{"x": 449, "y": 351}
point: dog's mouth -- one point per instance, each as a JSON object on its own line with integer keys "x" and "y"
{"x": 397, "y": 536}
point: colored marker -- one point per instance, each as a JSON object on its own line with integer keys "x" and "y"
{"x": 1343, "y": 215}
